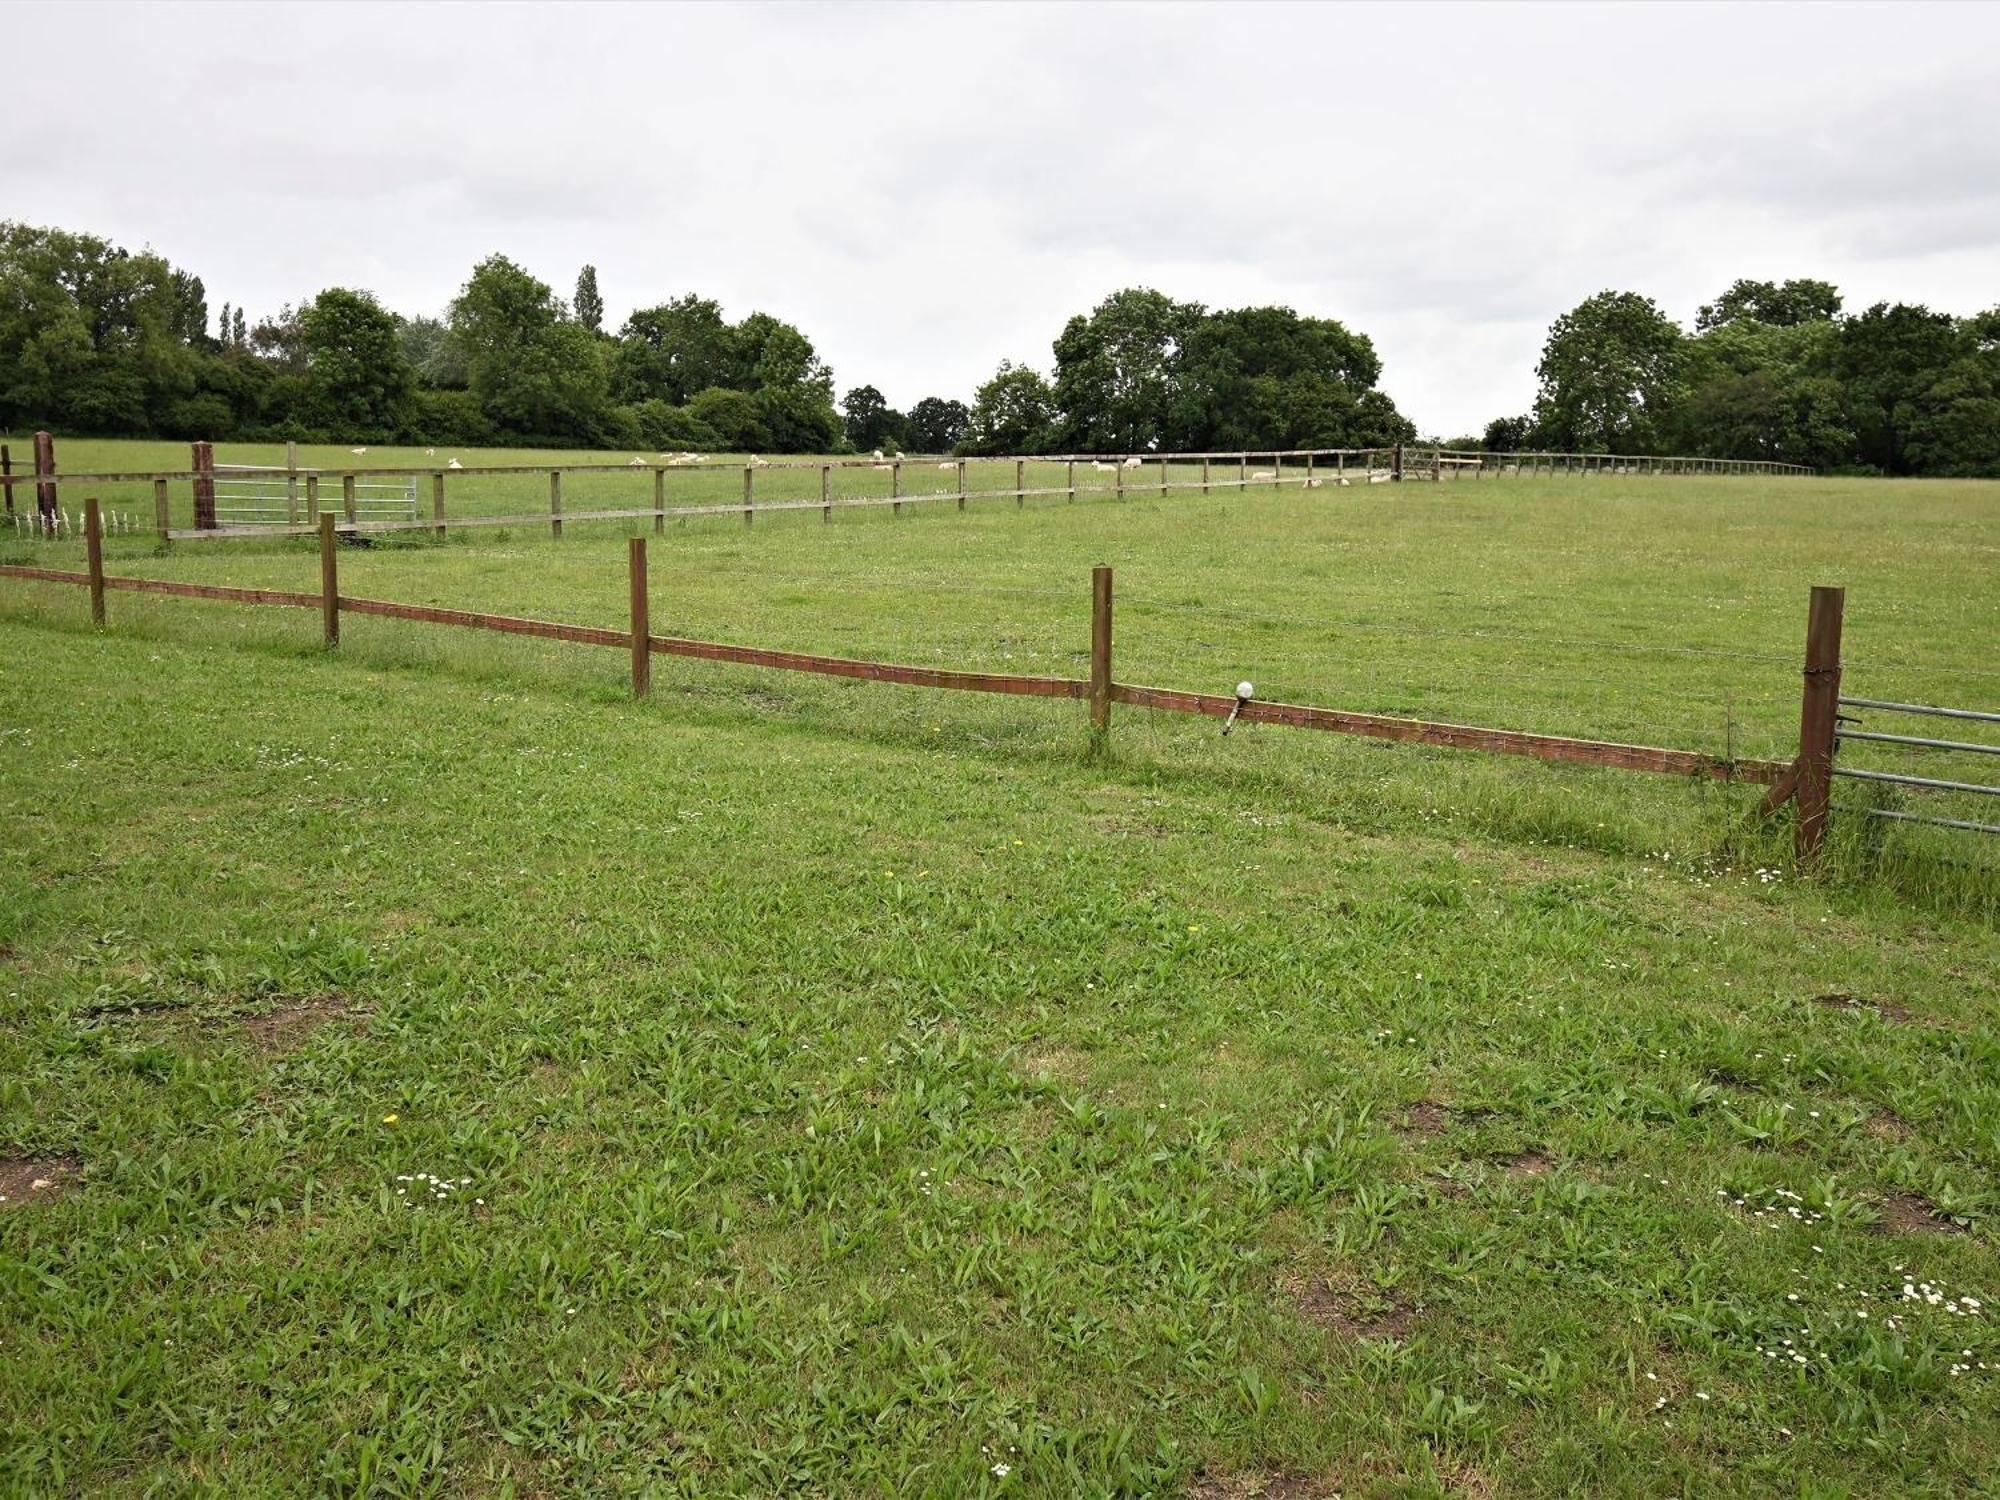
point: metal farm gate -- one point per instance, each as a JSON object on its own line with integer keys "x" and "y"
{"x": 270, "y": 499}
{"x": 1929, "y": 784}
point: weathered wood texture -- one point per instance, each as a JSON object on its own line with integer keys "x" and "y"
{"x": 1819, "y": 711}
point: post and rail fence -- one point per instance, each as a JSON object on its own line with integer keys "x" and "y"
{"x": 1807, "y": 779}
{"x": 264, "y": 500}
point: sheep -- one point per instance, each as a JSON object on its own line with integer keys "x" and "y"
{"x": 943, "y": 467}
{"x": 357, "y": 450}
{"x": 875, "y": 453}
{"x": 1313, "y": 484}
{"x": 1263, "y": 474}
{"x": 454, "y": 464}
{"x": 1102, "y": 468}
{"x": 430, "y": 453}
{"x": 1131, "y": 463}
{"x": 637, "y": 462}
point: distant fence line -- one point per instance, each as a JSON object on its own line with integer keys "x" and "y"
{"x": 1806, "y": 779}
{"x": 299, "y": 491}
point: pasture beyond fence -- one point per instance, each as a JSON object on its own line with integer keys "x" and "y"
{"x": 250, "y": 500}
{"x": 1807, "y": 779}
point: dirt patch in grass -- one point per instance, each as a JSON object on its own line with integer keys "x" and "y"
{"x": 1268, "y": 1484}
{"x": 1886, "y": 1125}
{"x": 1324, "y": 1305}
{"x": 1913, "y": 1213}
{"x": 1065, "y": 1063}
{"x": 1425, "y": 1117}
{"x": 1534, "y": 1162}
{"x": 1888, "y": 1010}
{"x": 292, "y": 1021}
{"x": 25, "y": 1179}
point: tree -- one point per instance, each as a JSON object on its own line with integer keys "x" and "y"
{"x": 535, "y": 373}
{"x": 671, "y": 351}
{"x": 1887, "y": 358}
{"x": 1609, "y": 372}
{"x": 1508, "y": 434}
{"x": 361, "y": 379}
{"x": 734, "y": 418}
{"x": 589, "y": 305}
{"x": 433, "y": 352}
{"x": 937, "y": 425}
{"x": 1782, "y": 305}
{"x": 1014, "y": 412}
{"x": 1115, "y": 369}
{"x": 870, "y": 422}
{"x": 1265, "y": 377}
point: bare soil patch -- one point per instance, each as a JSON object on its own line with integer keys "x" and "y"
{"x": 25, "y": 1180}
{"x": 1426, "y": 1117}
{"x": 1270, "y": 1484}
{"x": 1534, "y": 1162}
{"x": 292, "y": 1021}
{"x": 1326, "y": 1306}
{"x": 1888, "y": 1010}
{"x": 1913, "y": 1213}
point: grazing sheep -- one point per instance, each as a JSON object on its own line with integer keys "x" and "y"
{"x": 1131, "y": 463}
{"x": 1263, "y": 474}
{"x": 1102, "y": 468}
{"x": 875, "y": 453}
{"x": 357, "y": 450}
{"x": 947, "y": 466}
{"x": 454, "y": 464}
{"x": 638, "y": 462}
{"x": 1313, "y": 484}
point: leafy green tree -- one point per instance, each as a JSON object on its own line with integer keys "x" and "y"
{"x": 1508, "y": 434}
{"x": 535, "y": 373}
{"x": 870, "y": 421}
{"x": 1115, "y": 370}
{"x": 361, "y": 379}
{"x": 938, "y": 425}
{"x": 589, "y": 303}
{"x": 733, "y": 416}
{"x": 1014, "y": 412}
{"x": 1609, "y": 375}
{"x": 1264, "y": 376}
{"x": 1887, "y": 358}
{"x": 1780, "y": 304}
{"x": 671, "y": 351}
{"x": 433, "y": 352}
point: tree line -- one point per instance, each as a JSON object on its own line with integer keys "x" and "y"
{"x": 1771, "y": 370}
{"x": 97, "y": 339}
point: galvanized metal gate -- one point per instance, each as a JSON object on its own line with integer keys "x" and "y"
{"x": 1843, "y": 733}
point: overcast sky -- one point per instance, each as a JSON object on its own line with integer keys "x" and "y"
{"x": 928, "y": 189}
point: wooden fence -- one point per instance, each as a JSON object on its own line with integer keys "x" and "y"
{"x": 1117, "y": 476}
{"x": 1808, "y": 777}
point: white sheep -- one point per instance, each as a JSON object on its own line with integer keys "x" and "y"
{"x": 1263, "y": 474}
{"x": 637, "y": 462}
{"x": 1102, "y": 468}
{"x": 1131, "y": 463}
{"x": 430, "y": 453}
{"x": 454, "y": 464}
{"x": 876, "y": 453}
{"x": 357, "y": 450}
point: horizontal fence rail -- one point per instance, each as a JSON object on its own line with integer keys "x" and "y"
{"x": 1100, "y": 689}
{"x": 253, "y": 500}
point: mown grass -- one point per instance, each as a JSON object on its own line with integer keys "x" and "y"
{"x": 849, "y": 1089}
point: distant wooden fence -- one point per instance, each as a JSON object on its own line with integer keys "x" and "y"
{"x": 305, "y": 494}
{"x": 1808, "y": 777}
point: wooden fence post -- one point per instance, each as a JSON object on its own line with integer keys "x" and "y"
{"x": 1204, "y": 473}
{"x": 749, "y": 494}
{"x": 437, "y": 502}
{"x": 1100, "y": 649}
{"x": 329, "y": 579}
{"x": 1020, "y": 483}
{"x": 6, "y": 468}
{"x": 45, "y": 494}
{"x": 895, "y": 488}
{"x": 93, "y": 544}
{"x": 961, "y": 484}
{"x": 555, "y": 504}
{"x": 826, "y": 492}
{"x": 659, "y": 502}
{"x": 162, "y": 519}
{"x": 203, "y": 464}
{"x": 642, "y": 653}
{"x": 1819, "y": 712}
{"x": 347, "y": 499}
{"x": 291, "y": 484}
{"x": 1072, "y": 479}
{"x": 1396, "y": 464}
{"x": 1163, "y": 474}
{"x": 1243, "y": 473}
{"x": 312, "y": 499}
{"x": 1277, "y": 471}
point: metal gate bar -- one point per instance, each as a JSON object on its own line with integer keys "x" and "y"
{"x": 1921, "y": 708}
{"x": 1903, "y": 817}
{"x": 1915, "y": 739}
{"x": 1942, "y": 786}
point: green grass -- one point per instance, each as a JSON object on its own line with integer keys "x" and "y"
{"x": 861, "y": 1090}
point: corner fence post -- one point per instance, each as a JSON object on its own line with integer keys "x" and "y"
{"x": 45, "y": 494}
{"x": 329, "y": 579}
{"x": 203, "y": 464}
{"x": 93, "y": 543}
{"x": 1100, "y": 649}
{"x": 1819, "y": 712}
{"x": 642, "y": 655}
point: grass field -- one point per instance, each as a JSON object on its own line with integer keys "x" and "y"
{"x": 452, "y": 1077}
